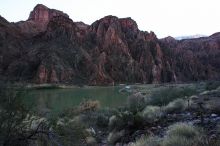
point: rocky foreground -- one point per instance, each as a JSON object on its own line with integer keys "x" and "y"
{"x": 49, "y": 47}
{"x": 200, "y": 110}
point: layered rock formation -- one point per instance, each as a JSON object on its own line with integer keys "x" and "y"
{"x": 50, "y": 48}
{"x": 38, "y": 19}
{"x": 42, "y": 13}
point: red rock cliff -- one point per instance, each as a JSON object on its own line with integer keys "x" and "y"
{"x": 51, "y": 48}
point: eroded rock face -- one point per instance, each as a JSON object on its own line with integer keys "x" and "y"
{"x": 50, "y": 48}
{"x": 39, "y": 19}
{"x": 42, "y": 74}
{"x": 42, "y": 13}
{"x": 196, "y": 59}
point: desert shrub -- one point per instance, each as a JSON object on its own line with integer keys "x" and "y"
{"x": 71, "y": 133}
{"x": 86, "y": 106}
{"x": 175, "y": 106}
{"x": 152, "y": 113}
{"x": 121, "y": 120}
{"x": 115, "y": 136}
{"x": 181, "y": 134}
{"x": 20, "y": 127}
{"x": 147, "y": 141}
{"x": 183, "y": 129}
{"x": 136, "y": 102}
{"x": 103, "y": 115}
{"x": 17, "y": 125}
{"x": 96, "y": 119}
{"x": 166, "y": 95}
{"x": 89, "y": 105}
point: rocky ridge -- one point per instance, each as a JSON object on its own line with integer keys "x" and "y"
{"x": 51, "y": 48}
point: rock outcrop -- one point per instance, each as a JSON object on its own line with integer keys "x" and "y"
{"x": 42, "y": 13}
{"x": 51, "y": 48}
{"x": 38, "y": 19}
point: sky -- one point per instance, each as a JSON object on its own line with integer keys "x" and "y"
{"x": 164, "y": 17}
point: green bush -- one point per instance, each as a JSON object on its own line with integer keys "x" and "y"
{"x": 102, "y": 116}
{"x": 136, "y": 102}
{"x": 18, "y": 127}
{"x": 152, "y": 113}
{"x": 184, "y": 130}
{"x": 175, "y": 106}
{"x": 121, "y": 120}
{"x": 181, "y": 134}
{"x": 168, "y": 94}
{"x": 71, "y": 133}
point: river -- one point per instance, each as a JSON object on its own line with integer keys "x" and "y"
{"x": 57, "y": 100}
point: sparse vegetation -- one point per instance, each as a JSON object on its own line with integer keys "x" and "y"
{"x": 177, "y": 105}
{"x": 179, "y": 134}
{"x": 136, "y": 102}
{"x": 182, "y": 134}
{"x": 155, "y": 114}
{"x": 88, "y": 105}
{"x": 147, "y": 141}
{"x": 17, "y": 124}
{"x": 71, "y": 133}
{"x": 152, "y": 113}
{"x": 168, "y": 94}
{"x": 114, "y": 136}
{"x": 121, "y": 120}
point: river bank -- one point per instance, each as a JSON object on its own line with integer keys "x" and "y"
{"x": 148, "y": 112}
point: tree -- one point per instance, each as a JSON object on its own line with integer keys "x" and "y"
{"x": 16, "y": 124}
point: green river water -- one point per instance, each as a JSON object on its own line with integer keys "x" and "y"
{"x": 57, "y": 100}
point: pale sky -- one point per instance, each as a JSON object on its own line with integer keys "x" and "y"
{"x": 164, "y": 17}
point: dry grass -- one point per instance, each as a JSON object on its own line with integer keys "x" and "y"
{"x": 147, "y": 141}
{"x": 89, "y": 105}
{"x": 177, "y": 105}
{"x": 152, "y": 113}
{"x": 181, "y": 134}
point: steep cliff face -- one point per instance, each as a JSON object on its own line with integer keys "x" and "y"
{"x": 38, "y": 20}
{"x": 42, "y": 13}
{"x": 50, "y": 48}
{"x": 195, "y": 59}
